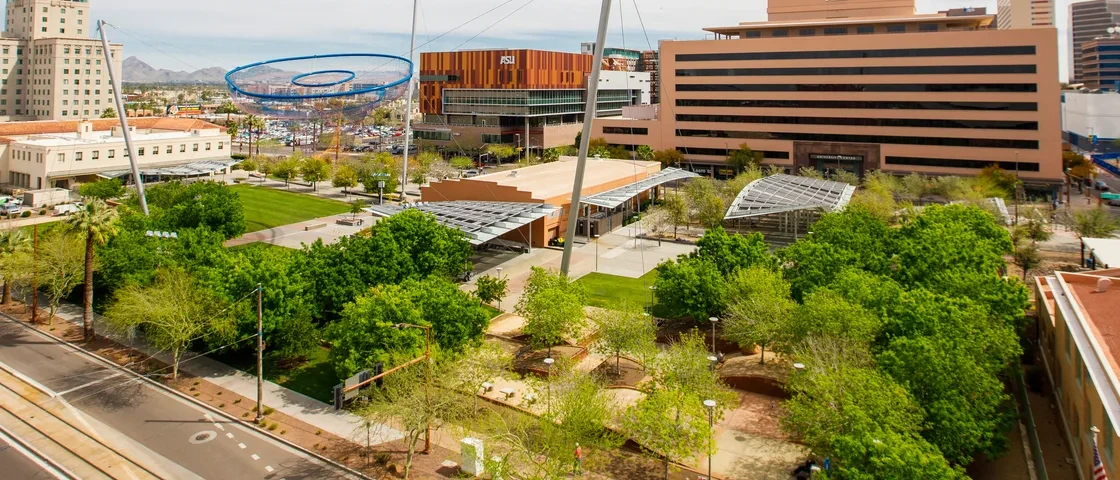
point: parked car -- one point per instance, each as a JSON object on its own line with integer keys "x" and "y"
{"x": 9, "y": 209}
{"x": 1102, "y": 186}
{"x": 13, "y": 201}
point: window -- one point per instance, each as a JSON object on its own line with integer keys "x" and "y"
{"x": 182, "y": 148}
{"x": 954, "y": 163}
{"x": 884, "y": 70}
{"x": 781, "y": 32}
{"x": 112, "y": 153}
{"x": 155, "y": 150}
{"x": 807, "y": 32}
{"x": 625, "y": 131}
{"x": 896, "y": 28}
{"x": 848, "y": 138}
{"x": 927, "y": 27}
{"x": 1109, "y": 434}
{"x": 221, "y": 145}
{"x": 1088, "y": 417}
{"x": 62, "y": 157}
{"x": 836, "y": 30}
{"x": 194, "y": 148}
{"x": 140, "y": 152}
{"x": 857, "y": 121}
{"x": 865, "y": 30}
{"x": 753, "y": 34}
{"x": 857, "y": 104}
{"x": 77, "y": 156}
{"x": 168, "y": 151}
{"x": 96, "y": 154}
{"x": 880, "y": 53}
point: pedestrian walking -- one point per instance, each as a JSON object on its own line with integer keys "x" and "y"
{"x": 578, "y": 468}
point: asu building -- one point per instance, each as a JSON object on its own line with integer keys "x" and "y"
{"x": 860, "y": 86}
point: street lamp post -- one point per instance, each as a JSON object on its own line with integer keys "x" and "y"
{"x": 548, "y": 402}
{"x": 596, "y": 252}
{"x": 713, "y": 320}
{"x": 652, "y": 288}
{"x": 499, "y": 279}
{"x": 712, "y": 361}
{"x": 711, "y": 406}
{"x": 427, "y": 380}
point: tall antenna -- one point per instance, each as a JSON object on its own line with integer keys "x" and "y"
{"x": 122, "y": 114}
{"x": 585, "y": 137}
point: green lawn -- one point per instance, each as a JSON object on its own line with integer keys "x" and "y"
{"x": 268, "y": 207}
{"x": 608, "y": 290}
{"x": 315, "y": 378}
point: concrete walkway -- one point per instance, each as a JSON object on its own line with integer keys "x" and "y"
{"x": 291, "y": 403}
{"x": 295, "y": 235}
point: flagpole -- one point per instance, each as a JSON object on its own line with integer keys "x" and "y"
{"x": 1097, "y": 472}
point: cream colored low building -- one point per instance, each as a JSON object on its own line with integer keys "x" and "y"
{"x": 36, "y": 155}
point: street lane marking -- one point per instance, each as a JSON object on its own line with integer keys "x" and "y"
{"x": 208, "y": 417}
{"x": 89, "y": 384}
{"x": 268, "y": 468}
{"x": 28, "y": 380}
{"x": 230, "y": 435}
{"x": 219, "y": 426}
{"x": 242, "y": 445}
{"x": 255, "y": 456}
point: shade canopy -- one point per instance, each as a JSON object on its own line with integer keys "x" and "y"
{"x": 204, "y": 167}
{"x": 786, "y": 193}
{"x": 618, "y": 196}
{"x": 482, "y": 221}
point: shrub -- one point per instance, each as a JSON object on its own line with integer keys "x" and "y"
{"x": 25, "y": 214}
{"x": 382, "y": 458}
{"x": 238, "y": 156}
{"x": 246, "y": 414}
{"x": 273, "y": 427}
{"x": 221, "y": 405}
{"x": 235, "y": 402}
{"x": 269, "y": 410}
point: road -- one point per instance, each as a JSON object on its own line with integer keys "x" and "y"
{"x": 183, "y": 440}
{"x": 17, "y": 466}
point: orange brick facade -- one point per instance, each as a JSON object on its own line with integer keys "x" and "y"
{"x": 498, "y": 69}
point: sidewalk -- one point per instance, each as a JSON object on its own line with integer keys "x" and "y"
{"x": 294, "y": 404}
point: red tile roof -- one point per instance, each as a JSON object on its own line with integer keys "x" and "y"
{"x": 71, "y": 126}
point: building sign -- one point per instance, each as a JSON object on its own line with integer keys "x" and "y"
{"x": 507, "y": 60}
{"x": 195, "y": 109}
{"x": 835, "y": 157}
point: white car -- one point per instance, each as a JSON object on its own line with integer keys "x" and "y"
{"x": 66, "y": 209}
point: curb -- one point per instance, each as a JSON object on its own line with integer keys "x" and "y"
{"x": 19, "y": 443}
{"x": 192, "y": 400}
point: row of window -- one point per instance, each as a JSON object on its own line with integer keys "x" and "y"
{"x": 894, "y": 70}
{"x": 626, "y": 130}
{"x": 883, "y": 139}
{"x": 140, "y": 151}
{"x": 859, "y": 104}
{"x": 885, "y": 53}
{"x": 957, "y": 163}
{"x": 863, "y": 122}
{"x": 858, "y": 87}
{"x": 723, "y": 152}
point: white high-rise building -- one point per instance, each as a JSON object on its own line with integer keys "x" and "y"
{"x": 1024, "y": 14}
{"x": 50, "y": 68}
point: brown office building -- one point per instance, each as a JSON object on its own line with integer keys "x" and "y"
{"x": 1100, "y": 64}
{"x": 860, "y": 86}
{"x": 527, "y": 98}
{"x": 1089, "y": 20}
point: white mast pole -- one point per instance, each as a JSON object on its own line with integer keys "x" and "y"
{"x": 585, "y": 138}
{"x": 408, "y": 103}
{"x": 121, "y": 114}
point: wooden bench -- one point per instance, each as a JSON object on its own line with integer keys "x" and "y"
{"x": 314, "y": 226}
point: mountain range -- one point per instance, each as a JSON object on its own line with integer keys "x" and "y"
{"x": 136, "y": 71}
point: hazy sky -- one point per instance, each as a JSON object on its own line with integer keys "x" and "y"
{"x": 186, "y": 35}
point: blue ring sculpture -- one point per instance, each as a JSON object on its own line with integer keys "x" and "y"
{"x": 296, "y": 79}
{"x": 312, "y": 96}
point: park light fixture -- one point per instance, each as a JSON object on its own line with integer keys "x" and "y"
{"x": 714, "y": 320}
{"x": 711, "y": 406}
{"x": 548, "y": 403}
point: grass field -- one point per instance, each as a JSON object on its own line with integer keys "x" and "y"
{"x": 608, "y": 290}
{"x": 315, "y": 378}
{"x": 268, "y": 208}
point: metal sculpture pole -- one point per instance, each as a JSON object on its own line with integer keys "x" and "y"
{"x": 408, "y": 103}
{"x": 121, "y": 114}
{"x": 585, "y": 138}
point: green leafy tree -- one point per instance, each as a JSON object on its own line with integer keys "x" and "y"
{"x": 366, "y": 334}
{"x": 461, "y": 162}
{"x": 176, "y": 207}
{"x": 357, "y": 207}
{"x": 644, "y": 152}
{"x": 232, "y": 129}
{"x": 824, "y": 313}
{"x": 14, "y": 245}
{"x": 730, "y": 252}
{"x": 109, "y": 112}
{"x": 286, "y": 169}
{"x": 314, "y": 170}
{"x": 669, "y": 157}
{"x": 761, "y": 311}
{"x": 625, "y": 329}
{"x": 676, "y": 209}
{"x": 501, "y": 152}
{"x": 60, "y": 264}
{"x": 173, "y": 312}
{"x": 552, "y": 306}
{"x": 1095, "y": 223}
{"x": 104, "y": 189}
{"x": 1027, "y": 258}
{"x": 705, "y": 202}
{"x": 489, "y": 288}
{"x": 743, "y": 158}
{"x": 691, "y": 287}
{"x": 345, "y": 177}
{"x": 457, "y": 319}
{"x": 97, "y": 221}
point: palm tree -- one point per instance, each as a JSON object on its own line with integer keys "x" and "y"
{"x": 247, "y": 123}
{"x": 231, "y": 129}
{"x": 258, "y": 124}
{"x": 228, "y": 108}
{"x": 12, "y": 242}
{"x": 98, "y": 221}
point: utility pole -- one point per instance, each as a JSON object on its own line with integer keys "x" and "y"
{"x": 260, "y": 355}
{"x": 585, "y": 137}
{"x": 35, "y": 274}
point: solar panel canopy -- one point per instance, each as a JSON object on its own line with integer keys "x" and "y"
{"x": 618, "y": 196}
{"x": 481, "y": 221}
{"x": 786, "y": 193}
{"x": 186, "y": 170}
